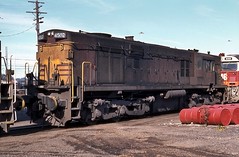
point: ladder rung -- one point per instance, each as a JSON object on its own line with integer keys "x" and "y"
{"x": 75, "y": 118}
{"x": 75, "y": 108}
{"x": 6, "y": 83}
{"x": 6, "y": 98}
{"x": 6, "y": 111}
{"x": 7, "y": 122}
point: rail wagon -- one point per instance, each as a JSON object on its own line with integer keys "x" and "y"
{"x": 7, "y": 96}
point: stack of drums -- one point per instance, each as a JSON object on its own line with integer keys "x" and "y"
{"x": 215, "y": 115}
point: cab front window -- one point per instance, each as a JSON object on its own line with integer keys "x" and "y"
{"x": 229, "y": 66}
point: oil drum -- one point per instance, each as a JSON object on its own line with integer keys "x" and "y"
{"x": 185, "y": 116}
{"x": 200, "y": 114}
{"x": 219, "y": 116}
{"x": 234, "y": 113}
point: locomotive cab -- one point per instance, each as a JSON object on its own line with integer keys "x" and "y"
{"x": 230, "y": 70}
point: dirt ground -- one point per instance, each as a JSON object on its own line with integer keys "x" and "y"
{"x": 161, "y": 135}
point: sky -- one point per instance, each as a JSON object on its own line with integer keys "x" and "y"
{"x": 206, "y": 25}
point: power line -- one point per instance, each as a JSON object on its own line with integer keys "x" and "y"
{"x": 9, "y": 35}
{"x": 22, "y": 59}
{"x": 25, "y": 59}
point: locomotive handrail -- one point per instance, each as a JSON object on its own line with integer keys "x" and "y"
{"x": 26, "y": 68}
{"x": 82, "y": 77}
{"x": 35, "y": 65}
{"x": 14, "y": 81}
{"x": 9, "y": 77}
{"x": 5, "y": 63}
{"x": 72, "y": 82}
{"x": 26, "y": 74}
{"x": 15, "y": 115}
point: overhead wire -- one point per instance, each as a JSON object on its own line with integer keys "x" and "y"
{"x": 10, "y": 35}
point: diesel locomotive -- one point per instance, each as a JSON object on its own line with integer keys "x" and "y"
{"x": 230, "y": 76}
{"x": 89, "y": 77}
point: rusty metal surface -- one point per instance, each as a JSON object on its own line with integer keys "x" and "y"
{"x": 120, "y": 61}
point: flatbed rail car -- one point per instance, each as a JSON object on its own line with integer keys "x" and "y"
{"x": 94, "y": 76}
{"x": 230, "y": 76}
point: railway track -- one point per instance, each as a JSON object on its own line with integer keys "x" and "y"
{"x": 18, "y": 130}
{"x": 27, "y": 127}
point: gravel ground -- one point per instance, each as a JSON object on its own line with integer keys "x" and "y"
{"x": 161, "y": 135}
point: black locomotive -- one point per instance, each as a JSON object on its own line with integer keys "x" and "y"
{"x": 94, "y": 76}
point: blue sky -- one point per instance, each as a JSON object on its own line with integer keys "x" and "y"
{"x": 206, "y": 25}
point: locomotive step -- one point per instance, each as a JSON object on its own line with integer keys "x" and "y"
{"x": 75, "y": 118}
{"x": 6, "y": 98}
{"x": 6, "y": 111}
{"x": 75, "y": 97}
{"x": 7, "y": 122}
{"x": 75, "y": 108}
{"x": 6, "y": 83}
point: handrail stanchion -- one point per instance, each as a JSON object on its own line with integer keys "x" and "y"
{"x": 82, "y": 77}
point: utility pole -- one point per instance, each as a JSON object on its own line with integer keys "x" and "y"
{"x": 37, "y": 14}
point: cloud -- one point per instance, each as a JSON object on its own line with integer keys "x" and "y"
{"x": 15, "y": 19}
{"x": 57, "y": 23}
{"x": 162, "y": 41}
{"x": 103, "y": 6}
{"x": 207, "y": 12}
{"x": 171, "y": 42}
{"x": 21, "y": 47}
{"x": 13, "y": 23}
